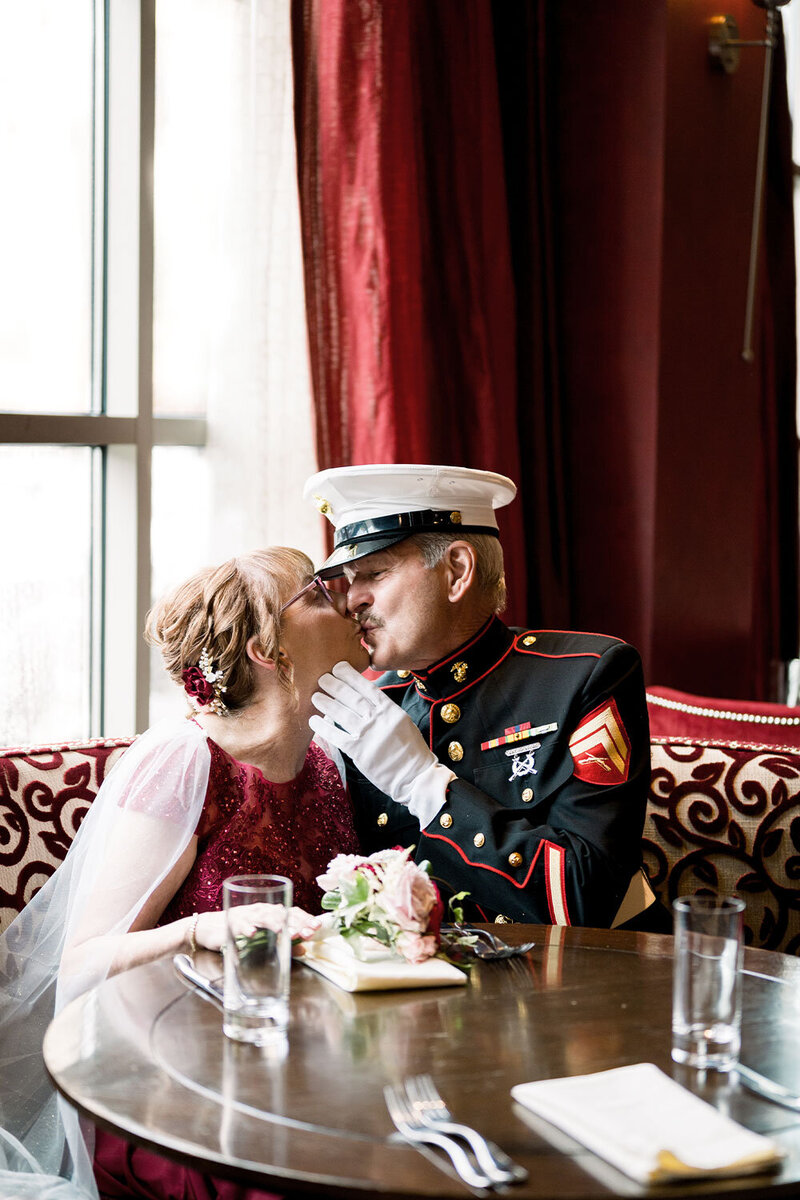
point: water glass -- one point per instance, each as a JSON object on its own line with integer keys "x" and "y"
{"x": 706, "y": 981}
{"x": 258, "y": 957}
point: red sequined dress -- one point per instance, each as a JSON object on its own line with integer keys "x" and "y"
{"x": 248, "y": 825}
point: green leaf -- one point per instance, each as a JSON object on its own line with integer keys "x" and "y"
{"x": 455, "y": 911}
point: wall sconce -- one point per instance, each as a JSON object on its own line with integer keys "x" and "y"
{"x": 724, "y": 47}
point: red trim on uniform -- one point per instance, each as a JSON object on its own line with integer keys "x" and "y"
{"x": 452, "y": 695}
{"x": 554, "y": 848}
{"x": 461, "y": 650}
{"x": 387, "y": 687}
{"x": 577, "y": 654}
{"x": 485, "y": 866}
{"x": 578, "y": 632}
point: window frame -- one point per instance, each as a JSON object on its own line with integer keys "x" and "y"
{"x": 121, "y": 423}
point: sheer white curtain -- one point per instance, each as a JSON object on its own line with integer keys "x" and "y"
{"x": 229, "y": 336}
{"x": 230, "y": 332}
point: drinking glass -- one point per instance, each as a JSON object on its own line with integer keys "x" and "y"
{"x": 258, "y": 957}
{"x": 706, "y": 981}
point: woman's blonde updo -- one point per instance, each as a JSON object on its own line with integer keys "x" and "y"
{"x": 220, "y": 608}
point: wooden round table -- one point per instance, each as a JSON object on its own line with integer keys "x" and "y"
{"x": 145, "y": 1057}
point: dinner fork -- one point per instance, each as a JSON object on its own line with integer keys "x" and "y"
{"x": 415, "y": 1130}
{"x": 431, "y": 1109}
{"x": 495, "y": 948}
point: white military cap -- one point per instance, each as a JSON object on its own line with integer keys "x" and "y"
{"x": 373, "y": 506}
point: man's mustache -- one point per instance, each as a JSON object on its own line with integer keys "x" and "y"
{"x": 369, "y": 618}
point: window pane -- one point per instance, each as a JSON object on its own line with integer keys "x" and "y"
{"x": 179, "y": 532}
{"x": 46, "y": 141}
{"x": 45, "y": 593}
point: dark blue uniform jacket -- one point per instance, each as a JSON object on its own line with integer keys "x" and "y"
{"x": 548, "y": 734}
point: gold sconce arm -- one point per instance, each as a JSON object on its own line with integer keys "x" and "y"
{"x": 724, "y": 45}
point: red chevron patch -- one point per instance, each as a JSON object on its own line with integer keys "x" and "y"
{"x": 601, "y": 748}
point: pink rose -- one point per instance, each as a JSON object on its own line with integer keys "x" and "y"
{"x": 415, "y": 948}
{"x": 409, "y": 898}
{"x": 341, "y": 869}
{"x": 195, "y": 684}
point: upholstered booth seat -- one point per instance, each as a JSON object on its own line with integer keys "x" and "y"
{"x": 45, "y": 792}
{"x": 682, "y": 714}
{"x": 723, "y": 818}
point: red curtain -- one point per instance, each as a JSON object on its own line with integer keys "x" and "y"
{"x": 525, "y": 236}
{"x": 409, "y": 286}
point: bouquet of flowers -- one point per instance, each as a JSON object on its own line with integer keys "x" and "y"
{"x": 386, "y": 900}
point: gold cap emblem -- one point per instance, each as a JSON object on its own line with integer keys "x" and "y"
{"x": 459, "y": 671}
{"x": 323, "y": 505}
{"x": 450, "y": 713}
{"x": 445, "y": 820}
{"x": 456, "y": 751}
{"x": 455, "y": 518}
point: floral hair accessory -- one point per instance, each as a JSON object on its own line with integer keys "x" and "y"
{"x": 203, "y": 684}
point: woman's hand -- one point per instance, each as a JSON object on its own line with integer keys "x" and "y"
{"x": 246, "y": 919}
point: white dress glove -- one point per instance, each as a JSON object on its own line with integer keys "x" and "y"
{"x": 382, "y": 740}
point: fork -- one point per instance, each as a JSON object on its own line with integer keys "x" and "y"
{"x": 414, "y": 1130}
{"x": 431, "y": 1109}
{"x": 496, "y": 948}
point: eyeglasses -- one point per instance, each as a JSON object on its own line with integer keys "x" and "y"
{"x": 316, "y": 582}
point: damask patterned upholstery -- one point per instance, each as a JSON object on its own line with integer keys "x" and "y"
{"x": 45, "y": 792}
{"x": 723, "y": 818}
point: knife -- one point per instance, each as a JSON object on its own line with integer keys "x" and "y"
{"x": 207, "y": 988}
{"x": 754, "y": 1081}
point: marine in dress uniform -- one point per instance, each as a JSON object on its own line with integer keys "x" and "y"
{"x": 544, "y": 733}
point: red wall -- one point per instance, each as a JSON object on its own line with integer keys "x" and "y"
{"x": 655, "y": 177}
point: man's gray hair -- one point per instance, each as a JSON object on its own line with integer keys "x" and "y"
{"x": 488, "y": 560}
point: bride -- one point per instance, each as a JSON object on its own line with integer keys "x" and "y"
{"x": 235, "y": 787}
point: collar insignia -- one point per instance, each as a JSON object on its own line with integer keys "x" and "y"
{"x": 459, "y": 671}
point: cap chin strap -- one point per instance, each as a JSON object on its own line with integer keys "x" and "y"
{"x": 428, "y": 520}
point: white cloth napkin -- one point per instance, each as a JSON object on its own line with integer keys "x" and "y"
{"x": 647, "y": 1125}
{"x": 333, "y": 957}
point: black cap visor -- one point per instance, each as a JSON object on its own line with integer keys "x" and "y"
{"x": 377, "y": 533}
{"x": 348, "y": 552}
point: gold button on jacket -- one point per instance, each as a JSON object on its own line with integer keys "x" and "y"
{"x": 455, "y": 751}
{"x": 515, "y": 859}
{"x": 527, "y": 795}
{"x": 450, "y": 713}
{"x": 445, "y": 820}
{"x": 478, "y": 840}
{"x": 383, "y": 819}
